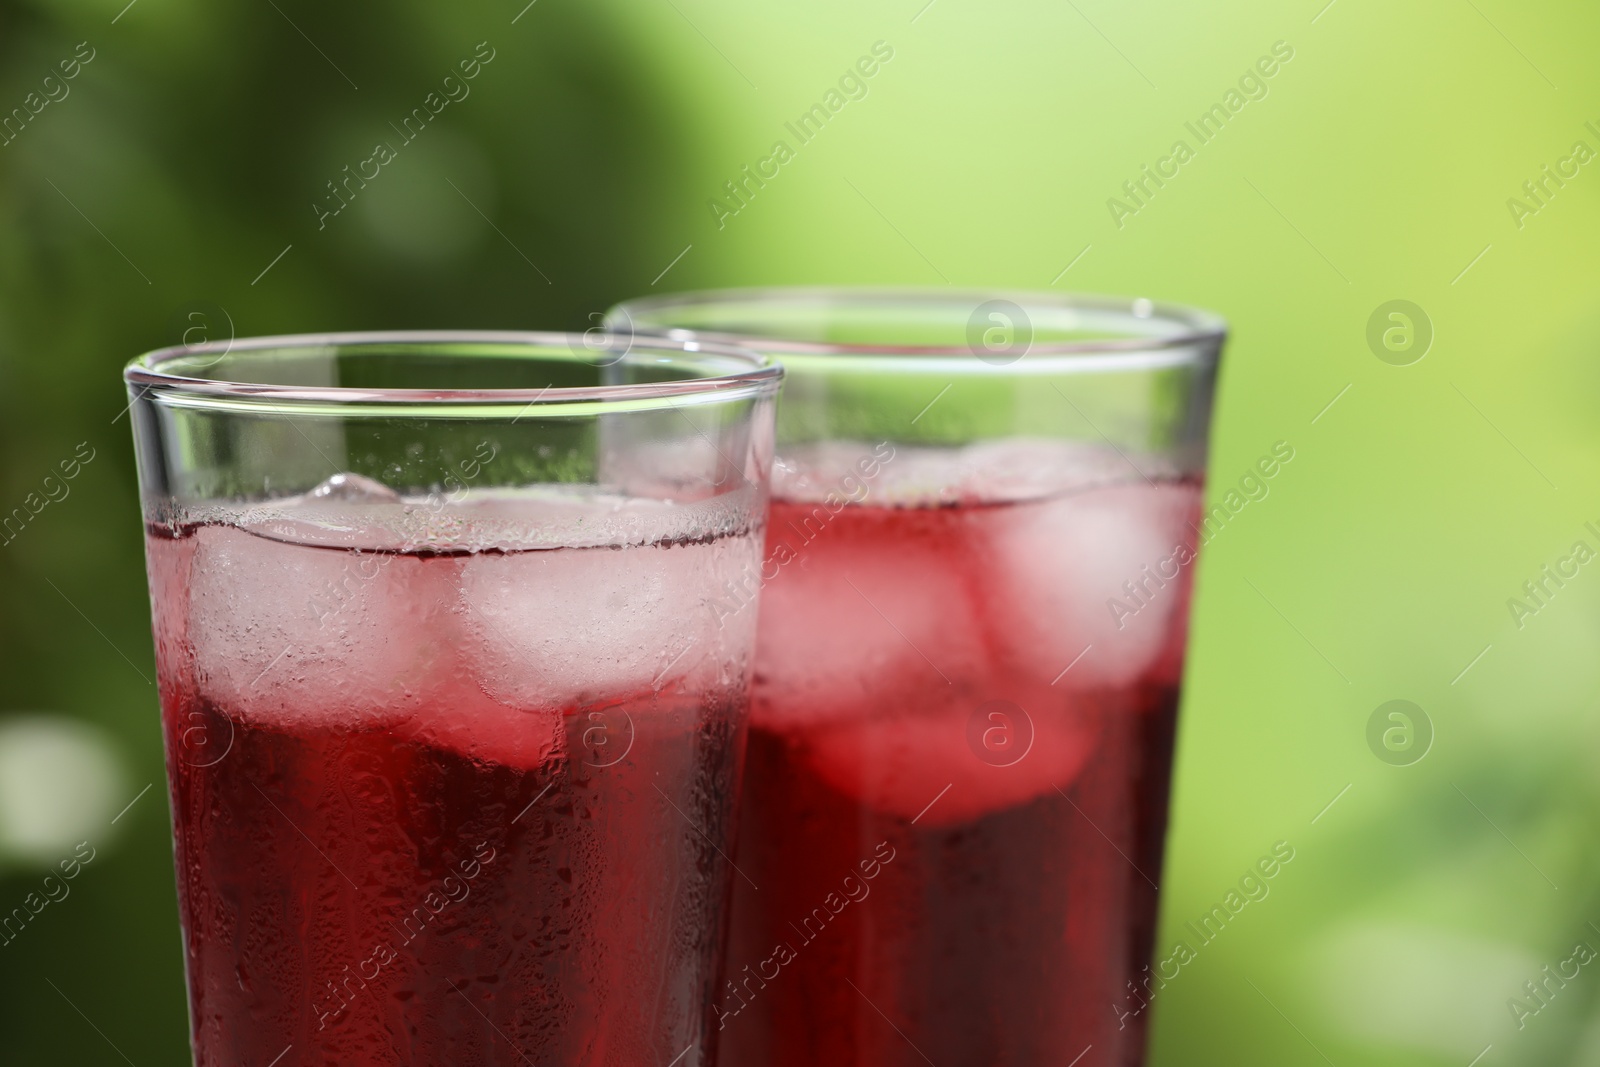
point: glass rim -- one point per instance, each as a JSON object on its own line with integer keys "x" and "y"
{"x": 762, "y": 375}
{"x": 1190, "y": 327}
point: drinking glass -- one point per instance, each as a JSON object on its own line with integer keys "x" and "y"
{"x": 452, "y": 728}
{"x": 976, "y": 588}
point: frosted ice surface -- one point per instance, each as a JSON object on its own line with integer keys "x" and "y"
{"x": 319, "y": 605}
{"x": 1010, "y": 469}
{"x": 857, "y": 613}
{"x": 547, "y": 629}
{"x": 289, "y": 631}
{"x": 1098, "y": 570}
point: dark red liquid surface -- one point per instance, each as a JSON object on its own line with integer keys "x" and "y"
{"x": 390, "y": 861}
{"x": 926, "y": 882}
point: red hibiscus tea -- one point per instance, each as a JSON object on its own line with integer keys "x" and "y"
{"x": 957, "y": 783}
{"x": 406, "y": 832}
{"x": 452, "y": 777}
{"x": 973, "y": 613}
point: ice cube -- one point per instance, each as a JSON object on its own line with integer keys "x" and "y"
{"x": 1030, "y": 468}
{"x": 1098, "y": 574}
{"x": 561, "y": 628}
{"x": 860, "y": 602}
{"x": 463, "y": 718}
{"x": 996, "y": 471}
{"x": 947, "y": 757}
{"x": 354, "y": 488}
{"x": 289, "y": 632}
{"x": 844, "y": 469}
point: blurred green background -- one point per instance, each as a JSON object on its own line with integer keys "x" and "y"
{"x": 176, "y": 174}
